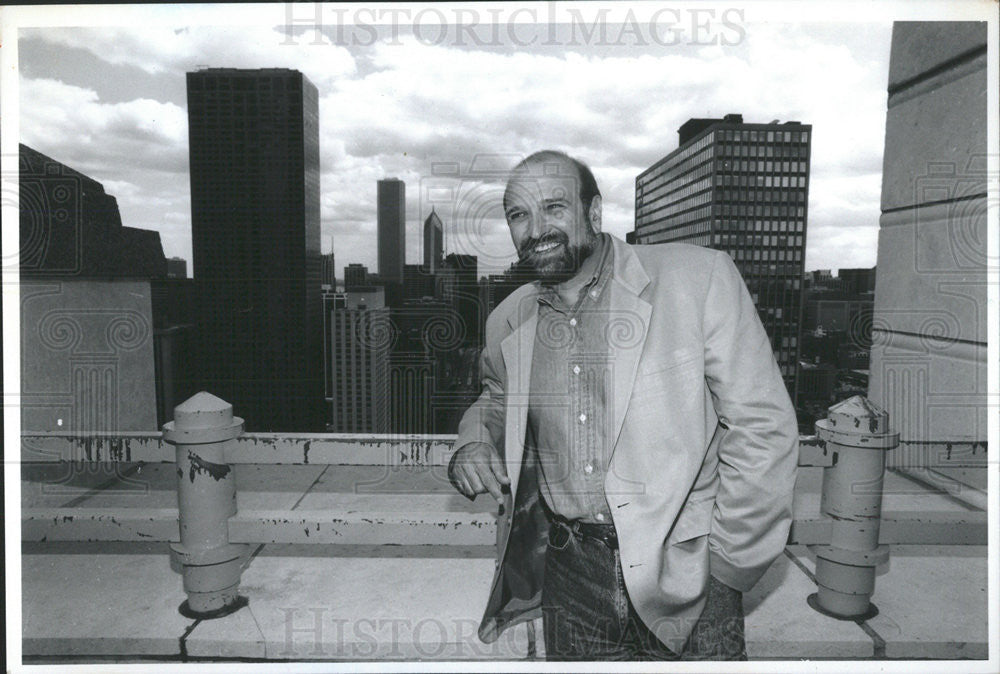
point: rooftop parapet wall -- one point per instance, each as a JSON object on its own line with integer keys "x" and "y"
{"x": 929, "y": 327}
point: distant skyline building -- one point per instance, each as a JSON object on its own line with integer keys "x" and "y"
{"x": 417, "y": 282}
{"x": 857, "y": 281}
{"x": 355, "y": 274}
{"x": 497, "y": 287}
{"x": 458, "y": 281}
{"x": 176, "y": 267}
{"x": 433, "y": 242}
{"x": 391, "y": 229}
{"x": 741, "y": 188}
{"x": 254, "y": 167}
{"x": 358, "y": 347}
{"x": 424, "y": 330}
{"x": 329, "y": 271}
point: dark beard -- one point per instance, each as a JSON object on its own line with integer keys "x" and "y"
{"x": 555, "y": 270}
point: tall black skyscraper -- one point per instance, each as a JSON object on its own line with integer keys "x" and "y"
{"x": 742, "y": 188}
{"x": 433, "y": 243}
{"x": 391, "y": 229}
{"x": 254, "y": 159}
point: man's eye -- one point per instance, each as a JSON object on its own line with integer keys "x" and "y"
{"x": 556, "y": 208}
{"x": 515, "y": 215}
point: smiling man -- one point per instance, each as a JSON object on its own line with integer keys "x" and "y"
{"x": 636, "y": 430}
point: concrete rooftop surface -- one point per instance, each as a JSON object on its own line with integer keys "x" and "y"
{"x": 101, "y": 602}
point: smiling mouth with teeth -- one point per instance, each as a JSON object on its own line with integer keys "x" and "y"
{"x": 545, "y": 247}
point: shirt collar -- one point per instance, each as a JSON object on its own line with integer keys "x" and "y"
{"x": 605, "y": 265}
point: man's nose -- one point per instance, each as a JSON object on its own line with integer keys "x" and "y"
{"x": 549, "y": 222}
{"x": 537, "y": 226}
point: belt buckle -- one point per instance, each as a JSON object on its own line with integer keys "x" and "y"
{"x": 560, "y": 533}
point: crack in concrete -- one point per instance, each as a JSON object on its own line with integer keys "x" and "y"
{"x": 182, "y": 642}
{"x": 260, "y": 632}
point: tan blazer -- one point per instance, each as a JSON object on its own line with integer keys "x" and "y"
{"x": 705, "y": 440}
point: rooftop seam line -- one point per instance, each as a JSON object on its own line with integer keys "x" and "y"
{"x": 310, "y": 487}
{"x": 943, "y": 340}
{"x": 961, "y": 59}
{"x": 182, "y": 642}
{"x": 937, "y": 202}
{"x": 90, "y": 493}
{"x": 802, "y": 567}
{"x": 951, "y": 497}
{"x": 263, "y": 639}
{"x": 878, "y": 643}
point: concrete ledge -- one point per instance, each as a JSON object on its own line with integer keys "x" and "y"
{"x": 338, "y": 526}
{"x": 99, "y": 524}
{"x": 360, "y": 528}
{"x": 264, "y": 448}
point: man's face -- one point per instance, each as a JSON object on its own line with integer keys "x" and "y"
{"x": 548, "y": 221}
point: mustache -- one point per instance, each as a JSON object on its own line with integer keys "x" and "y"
{"x": 528, "y": 246}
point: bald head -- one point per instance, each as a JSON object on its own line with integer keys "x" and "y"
{"x": 554, "y": 162}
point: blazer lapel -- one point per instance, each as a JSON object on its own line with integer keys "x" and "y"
{"x": 517, "y": 350}
{"x": 627, "y": 332}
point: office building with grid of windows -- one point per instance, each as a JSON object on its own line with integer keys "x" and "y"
{"x": 255, "y": 230}
{"x": 358, "y": 340}
{"x": 741, "y": 188}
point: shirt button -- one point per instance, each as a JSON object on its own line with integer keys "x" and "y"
{"x": 599, "y": 517}
{"x": 583, "y": 418}
{"x": 593, "y": 293}
{"x": 572, "y": 321}
{"x": 588, "y": 469}
{"x": 576, "y": 369}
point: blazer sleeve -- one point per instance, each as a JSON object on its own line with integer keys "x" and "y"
{"x": 484, "y": 420}
{"x": 758, "y": 450}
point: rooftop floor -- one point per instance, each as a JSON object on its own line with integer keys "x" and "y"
{"x": 95, "y": 602}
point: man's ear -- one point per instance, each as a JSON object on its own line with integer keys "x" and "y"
{"x": 595, "y": 214}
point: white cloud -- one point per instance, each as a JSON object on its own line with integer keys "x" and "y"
{"x": 114, "y": 138}
{"x": 396, "y": 109}
{"x": 158, "y": 49}
{"x": 136, "y": 149}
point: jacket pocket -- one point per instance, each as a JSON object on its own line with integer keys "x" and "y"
{"x": 674, "y": 359}
{"x": 695, "y": 520}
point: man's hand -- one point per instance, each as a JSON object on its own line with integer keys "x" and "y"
{"x": 476, "y": 469}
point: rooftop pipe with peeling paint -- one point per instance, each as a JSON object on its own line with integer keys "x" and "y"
{"x": 857, "y": 432}
{"x": 202, "y": 428}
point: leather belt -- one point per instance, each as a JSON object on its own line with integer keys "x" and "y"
{"x": 605, "y": 533}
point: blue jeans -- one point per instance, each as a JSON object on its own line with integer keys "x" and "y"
{"x": 587, "y": 615}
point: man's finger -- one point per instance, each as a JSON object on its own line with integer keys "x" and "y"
{"x": 488, "y": 479}
{"x": 474, "y": 482}
{"x": 499, "y": 469}
{"x": 461, "y": 482}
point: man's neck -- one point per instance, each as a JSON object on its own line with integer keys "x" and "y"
{"x": 569, "y": 290}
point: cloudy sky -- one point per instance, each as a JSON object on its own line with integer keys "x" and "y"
{"x": 417, "y": 100}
